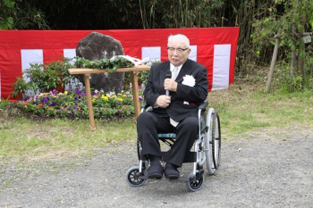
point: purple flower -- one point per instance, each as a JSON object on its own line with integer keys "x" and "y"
{"x": 78, "y": 91}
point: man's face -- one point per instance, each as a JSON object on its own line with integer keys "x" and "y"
{"x": 177, "y": 57}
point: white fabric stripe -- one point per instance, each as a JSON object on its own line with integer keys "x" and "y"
{"x": 153, "y": 53}
{"x": 221, "y": 64}
{"x": 75, "y": 83}
{"x": 193, "y": 53}
{"x": 69, "y": 53}
{"x": 31, "y": 57}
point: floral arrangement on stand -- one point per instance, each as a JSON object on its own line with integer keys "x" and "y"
{"x": 47, "y": 101}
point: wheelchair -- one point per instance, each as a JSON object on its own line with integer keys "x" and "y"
{"x": 206, "y": 151}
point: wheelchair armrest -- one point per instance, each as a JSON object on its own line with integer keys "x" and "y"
{"x": 203, "y": 106}
{"x": 146, "y": 107}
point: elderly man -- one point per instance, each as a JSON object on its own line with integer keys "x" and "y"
{"x": 175, "y": 101}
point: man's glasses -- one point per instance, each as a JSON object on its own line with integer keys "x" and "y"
{"x": 178, "y": 50}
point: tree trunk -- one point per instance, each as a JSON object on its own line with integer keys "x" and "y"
{"x": 293, "y": 55}
{"x": 270, "y": 74}
{"x": 301, "y": 56}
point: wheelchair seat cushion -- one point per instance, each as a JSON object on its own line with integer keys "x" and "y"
{"x": 167, "y": 135}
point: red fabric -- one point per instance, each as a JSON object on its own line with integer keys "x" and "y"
{"x": 53, "y": 42}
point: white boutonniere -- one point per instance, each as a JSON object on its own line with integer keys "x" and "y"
{"x": 189, "y": 80}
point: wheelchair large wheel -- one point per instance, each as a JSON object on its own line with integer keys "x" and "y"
{"x": 217, "y": 143}
{"x": 195, "y": 184}
{"x": 212, "y": 142}
{"x": 132, "y": 177}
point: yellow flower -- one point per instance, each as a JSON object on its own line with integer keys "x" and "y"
{"x": 119, "y": 99}
{"x": 65, "y": 92}
{"x": 105, "y": 98}
{"x": 113, "y": 96}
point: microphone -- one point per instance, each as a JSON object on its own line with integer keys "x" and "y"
{"x": 168, "y": 75}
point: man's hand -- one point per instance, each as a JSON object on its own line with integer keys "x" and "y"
{"x": 170, "y": 85}
{"x": 163, "y": 101}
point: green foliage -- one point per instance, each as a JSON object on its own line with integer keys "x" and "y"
{"x": 20, "y": 86}
{"x": 287, "y": 20}
{"x": 110, "y": 65}
{"x": 178, "y": 14}
{"x": 144, "y": 75}
{"x": 6, "y": 21}
{"x": 4, "y": 104}
{"x": 285, "y": 84}
{"x": 43, "y": 78}
{"x": 20, "y": 14}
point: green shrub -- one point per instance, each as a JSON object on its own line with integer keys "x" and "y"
{"x": 20, "y": 86}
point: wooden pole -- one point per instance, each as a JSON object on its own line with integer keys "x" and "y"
{"x": 274, "y": 58}
{"x": 134, "y": 80}
{"x": 90, "y": 109}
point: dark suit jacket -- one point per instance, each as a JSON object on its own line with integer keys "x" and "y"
{"x": 178, "y": 109}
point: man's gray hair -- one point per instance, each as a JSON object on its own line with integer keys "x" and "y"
{"x": 171, "y": 37}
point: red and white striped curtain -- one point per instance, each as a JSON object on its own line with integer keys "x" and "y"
{"x": 214, "y": 48}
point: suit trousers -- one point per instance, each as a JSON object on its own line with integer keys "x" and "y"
{"x": 149, "y": 124}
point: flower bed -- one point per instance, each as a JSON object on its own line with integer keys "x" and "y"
{"x": 73, "y": 104}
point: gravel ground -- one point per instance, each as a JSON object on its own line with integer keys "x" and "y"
{"x": 264, "y": 168}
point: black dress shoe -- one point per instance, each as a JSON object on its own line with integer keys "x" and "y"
{"x": 171, "y": 171}
{"x": 155, "y": 171}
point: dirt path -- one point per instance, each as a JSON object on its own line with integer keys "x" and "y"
{"x": 264, "y": 168}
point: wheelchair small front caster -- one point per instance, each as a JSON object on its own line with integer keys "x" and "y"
{"x": 195, "y": 182}
{"x": 133, "y": 177}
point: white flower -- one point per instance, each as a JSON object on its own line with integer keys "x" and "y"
{"x": 189, "y": 80}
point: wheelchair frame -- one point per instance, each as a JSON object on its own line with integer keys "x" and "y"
{"x": 207, "y": 151}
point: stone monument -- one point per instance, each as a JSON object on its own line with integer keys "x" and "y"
{"x": 97, "y": 46}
